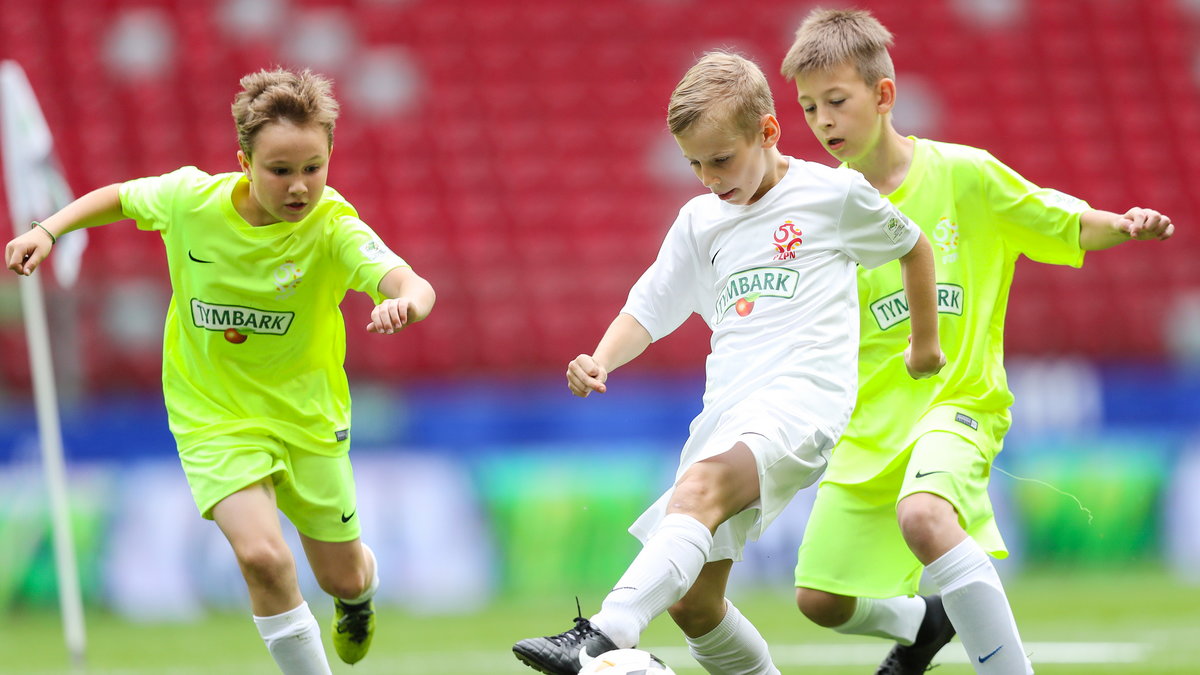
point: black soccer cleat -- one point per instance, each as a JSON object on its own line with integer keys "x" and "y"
{"x": 935, "y": 632}
{"x": 565, "y": 653}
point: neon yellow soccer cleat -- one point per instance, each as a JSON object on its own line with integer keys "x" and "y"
{"x": 353, "y": 628}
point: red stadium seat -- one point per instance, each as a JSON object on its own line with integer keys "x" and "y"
{"x": 520, "y": 183}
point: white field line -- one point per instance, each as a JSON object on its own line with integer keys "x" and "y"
{"x": 871, "y": 654}
{"x": 478, "y": 662}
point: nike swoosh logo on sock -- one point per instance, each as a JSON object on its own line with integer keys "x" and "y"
{"x": 991, "y": 654}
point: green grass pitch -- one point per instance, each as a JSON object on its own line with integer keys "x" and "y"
{"x": 1142, "y": 622}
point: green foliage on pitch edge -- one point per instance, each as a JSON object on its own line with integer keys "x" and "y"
{"x": 561, "y": 516}
{"x": 1089, "y": 503}
{"x": 28, "y": 575}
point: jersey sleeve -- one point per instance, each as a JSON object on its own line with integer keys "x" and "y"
{"x": 873, "y": 230}
{"x": 363, "y": 256}
{"x": 149, "y": 201}
{"x": 1041, "y": 223}
{"x": 668, "y": 291}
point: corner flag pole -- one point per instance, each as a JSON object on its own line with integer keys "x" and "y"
{"x": 36, "y": 188}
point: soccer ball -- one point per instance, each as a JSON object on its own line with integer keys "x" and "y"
{"x": 626, "y": 662}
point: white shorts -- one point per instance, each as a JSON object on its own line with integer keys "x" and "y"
{"x": 788, "y": 453}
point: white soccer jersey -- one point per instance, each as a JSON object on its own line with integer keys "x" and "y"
{"x": 777, "y": 284}
{"x": 775, "y": 281}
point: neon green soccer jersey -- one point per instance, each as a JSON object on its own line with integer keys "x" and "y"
{"x": 254, "y": 339}
{"x": 980, "y": 216}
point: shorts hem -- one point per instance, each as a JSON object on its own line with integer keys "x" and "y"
{"x": 840, "y": 588}
{"x": 206, "y": 511}
{"x": 333, "y": 539}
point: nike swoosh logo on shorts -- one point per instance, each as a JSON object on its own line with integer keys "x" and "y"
{"x": 346, "y": 518}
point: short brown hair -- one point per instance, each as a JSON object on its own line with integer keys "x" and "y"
{"x": 722, "y": 88}
{"x": 830, "y": 37}
{"x": 273, "y": 95}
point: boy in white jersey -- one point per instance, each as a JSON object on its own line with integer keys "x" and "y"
{"x": 253, "y": 346}
{"x": 767, "y": 259}
{"x": 907, "y": 482}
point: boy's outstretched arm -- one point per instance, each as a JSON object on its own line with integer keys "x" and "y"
{"x": 1099, "y": 230}
{"x": 410, "y": 299}
{"x": 923, "y": 357}
{"x": 98, "y": 207}
{"x": 624, "y": 340}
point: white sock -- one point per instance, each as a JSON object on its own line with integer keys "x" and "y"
{"x": 656, "y": 579}
{"x": 896, "y": 618}
{"x": 294, "y": 640}
{"x": 977, "y": 606}
{"x": 734, "y": 647}
{"x": 373, "y": 586}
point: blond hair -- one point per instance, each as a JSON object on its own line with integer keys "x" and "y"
{"x": 830, "y": 37}
{"x": 277, "y": 95}
{"x": 722, "y": 88}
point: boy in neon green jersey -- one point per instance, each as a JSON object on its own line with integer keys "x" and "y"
{"x": 780, "y": 378}
{"x": 901, "y": 496}
{"x": 253, "y": 346}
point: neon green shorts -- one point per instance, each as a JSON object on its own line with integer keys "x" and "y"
{"x": 852, "y": 544}
{"x": 315, "y": 492}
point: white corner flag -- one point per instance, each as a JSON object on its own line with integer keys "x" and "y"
{"x": 33, "y": 180}
{"x": 36, "y": 188}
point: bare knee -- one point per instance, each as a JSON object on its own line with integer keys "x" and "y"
{"x": 697, "y": 617}
{"x": 698, "y": 495}
{"x": 919, "y": 515}
{"x": 342, "y": 569}
{"x": 265, "y": 563}
{"x": 824, "y": 609}
{"x": 929, "y": 525}
{"x": 713, "y": 491}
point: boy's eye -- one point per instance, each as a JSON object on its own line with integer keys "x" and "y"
{"x": 720, "y": 160}
{"x": 810, "y": 109}
{"x": 312, "y": 169}
{"x": 838, "y": 101}
{"x": 279, "y": 171}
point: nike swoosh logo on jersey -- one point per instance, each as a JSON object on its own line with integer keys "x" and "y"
{"x": 991, "y": 654}
{"x": 927, "y": 473}
{"x": 346, "y": 518}
{"x": 195, "y": 259}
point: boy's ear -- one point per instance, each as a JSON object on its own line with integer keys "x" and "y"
{"x": 771, "y": 132}
{"x": 885, "y": 94}
{"x": 244, "y": 163}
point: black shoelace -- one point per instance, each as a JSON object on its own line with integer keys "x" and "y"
{"x": 579, "y": 633}
{"x": 355, "y": 621}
